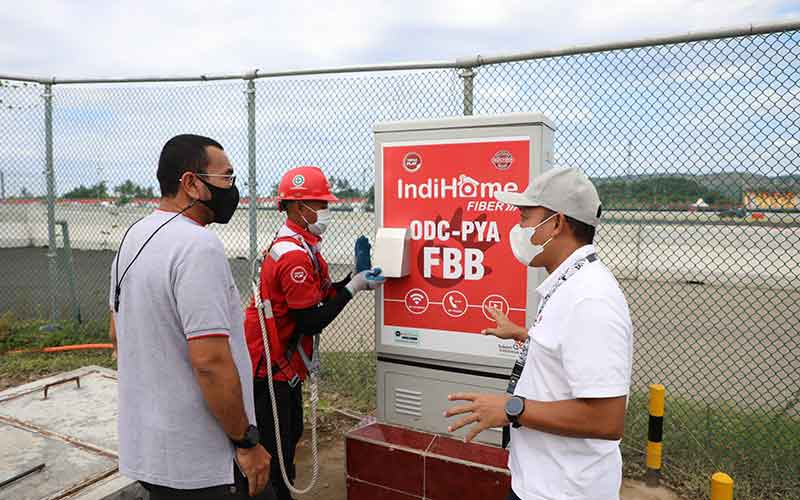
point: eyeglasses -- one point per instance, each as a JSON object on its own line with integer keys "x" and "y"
{"x": 230, "y": 180}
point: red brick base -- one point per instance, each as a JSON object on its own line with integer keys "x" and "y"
{"x": 386, "y": 462}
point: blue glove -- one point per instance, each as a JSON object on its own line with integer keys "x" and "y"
{"x": 363, "y": 261}
{"x": 365, "y": 280}
{"x": 375, "y": 277}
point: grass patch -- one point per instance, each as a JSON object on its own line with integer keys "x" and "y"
{"x": 350, "y": 375}
{"x": 17, "y": 368}
{"x": 759, "y": 449}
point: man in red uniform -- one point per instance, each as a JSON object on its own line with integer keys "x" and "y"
{"x": 296, "y": 281}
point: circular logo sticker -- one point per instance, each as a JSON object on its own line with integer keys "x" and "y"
{"x": 495, "y": 301}
{"x": 455, "y": 304}
{"x": 298, "y": 180}
{"x": 502, "y": 160}
{"x": 412, "y": 162}
{"x": 298, "y": 274}
{"x": 417, "y": 301}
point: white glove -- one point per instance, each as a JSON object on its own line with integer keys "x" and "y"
{"x": 365, "y": 280}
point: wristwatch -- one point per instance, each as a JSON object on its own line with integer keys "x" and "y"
{"x": 514, "y": 408}
{"x": 250, "y": 439}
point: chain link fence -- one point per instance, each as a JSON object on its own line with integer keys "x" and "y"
{"x": 714, "y": 292}
{"x": 693, "y": 145}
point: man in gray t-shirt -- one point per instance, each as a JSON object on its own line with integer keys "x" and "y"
{"x": 186, "y": 416}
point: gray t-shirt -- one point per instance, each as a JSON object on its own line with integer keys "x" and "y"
{"x": 180, "y": 288}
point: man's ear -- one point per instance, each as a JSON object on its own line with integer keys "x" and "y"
{"x": 561, "y": 223}
{"x": 190, "y": 185}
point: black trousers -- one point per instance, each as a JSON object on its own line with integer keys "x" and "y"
{"x": 290, "y": 418}
{"x": 512, "y": 495}
{"x": 238, "y": 490}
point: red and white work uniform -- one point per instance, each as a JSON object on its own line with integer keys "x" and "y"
{"x": 294, "y": 275}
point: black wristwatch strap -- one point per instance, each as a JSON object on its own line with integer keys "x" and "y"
{"x": 250, "y": 439}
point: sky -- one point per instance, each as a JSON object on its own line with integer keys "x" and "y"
{"x": 700, "y": 108}
{"x": 148, "y": 37}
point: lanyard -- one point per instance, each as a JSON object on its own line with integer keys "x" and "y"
{"x": 117, "y": 277}
{"x": 519, "y": 365}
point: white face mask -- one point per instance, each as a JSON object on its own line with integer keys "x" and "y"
{"x": 324, "y": 217}
{"x": 520, "y": 239}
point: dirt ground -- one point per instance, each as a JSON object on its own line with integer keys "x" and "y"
{"x": 331, "y": 484}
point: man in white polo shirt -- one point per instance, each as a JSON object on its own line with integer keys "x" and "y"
{"x": 567, "y": 395}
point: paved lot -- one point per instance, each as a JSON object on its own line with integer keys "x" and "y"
{"x": 707, "y": 342}
{"x": 669, "y": 247}
{"x": 716, "y": 306}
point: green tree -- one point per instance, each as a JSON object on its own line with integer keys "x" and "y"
{"x": 342, "y": 189}
{"x": 370, "y": 205}
{"x": 129, "y": 190}
{"x": 656, "y": 192}
{"x": 99, "y": 190}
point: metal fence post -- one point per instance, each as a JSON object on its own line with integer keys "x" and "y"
{"x": 468, "y": 75}
{"x": 69, "y": 266}
{"x": 251, "y": 165}
{"x": 51, "y": 197}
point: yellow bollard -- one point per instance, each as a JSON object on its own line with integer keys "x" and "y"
{"x": 655, "y": 432}
{"x": 721, "y": 487}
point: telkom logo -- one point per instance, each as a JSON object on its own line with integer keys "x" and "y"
{"x": 462, "y": 186}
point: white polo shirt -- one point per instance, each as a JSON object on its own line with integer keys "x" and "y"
{"x": 581, "y": 347}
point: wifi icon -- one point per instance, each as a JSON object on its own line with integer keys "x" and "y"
{"x": 416, "y": 301}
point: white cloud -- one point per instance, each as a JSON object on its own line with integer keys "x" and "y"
{"x": 148, "y": 37}
{"x": 770, "y": 99}
{"x": 716, "y": 73}
{"x": 119, "y": 129}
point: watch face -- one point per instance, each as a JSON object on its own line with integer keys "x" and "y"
{"x": 514, "y": 406}
{"x": 252, "y": 434}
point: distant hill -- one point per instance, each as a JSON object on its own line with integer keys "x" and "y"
{"x": 732, "y": 184}
{"x": 678, "y": 190}
{"x": 724, "y": 188}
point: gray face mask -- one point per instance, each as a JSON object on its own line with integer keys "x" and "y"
{"x": 324, "y": 218}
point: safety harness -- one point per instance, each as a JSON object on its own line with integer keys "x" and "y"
{"x": 269, "y": 333}
{"x": 283, "y": 363}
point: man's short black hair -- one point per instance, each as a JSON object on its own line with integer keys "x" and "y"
{"x": 583, "y": 232}
{"x": 183, "y": 153}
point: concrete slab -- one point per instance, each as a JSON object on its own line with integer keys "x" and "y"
{"x": 72, "y": 431}
{"x": 66, "y": 466}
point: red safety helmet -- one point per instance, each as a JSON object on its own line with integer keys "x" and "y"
{"x": 305, "y": 183}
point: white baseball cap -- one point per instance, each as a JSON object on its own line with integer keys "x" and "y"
{"x": 564, "y": 190}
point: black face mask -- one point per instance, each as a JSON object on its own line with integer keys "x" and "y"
{"x": 223, "y": 202}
